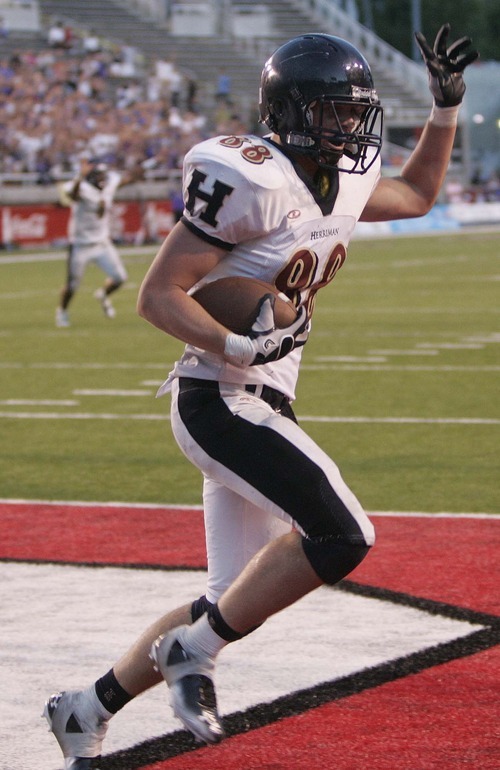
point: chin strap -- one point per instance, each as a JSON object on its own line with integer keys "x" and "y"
{"x": 296, "y": 139}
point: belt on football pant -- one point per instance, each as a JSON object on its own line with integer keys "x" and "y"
{"x": 276, "y": 400}
{"x": 271, "y": 396}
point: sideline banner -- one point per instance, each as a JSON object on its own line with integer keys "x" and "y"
{"x": 47, "y": 224}
{"x": 442, "y": 218}
{"x": 139, "y": 222}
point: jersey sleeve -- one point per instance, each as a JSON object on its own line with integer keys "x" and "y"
{"x": 225, "y": 196}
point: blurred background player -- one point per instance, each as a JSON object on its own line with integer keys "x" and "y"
{"x": 91, "y": 195}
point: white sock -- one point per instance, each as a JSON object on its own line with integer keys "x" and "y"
{"x": 201, "y": 640}
{"x": 93, "y": 702}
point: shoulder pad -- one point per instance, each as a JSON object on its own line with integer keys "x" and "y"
{"x": 247, "y": 158}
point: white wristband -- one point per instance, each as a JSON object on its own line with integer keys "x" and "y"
{"x": 444, "y": 117}
{"x": 239, "y": 350}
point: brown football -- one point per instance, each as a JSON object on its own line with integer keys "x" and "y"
{"x": 234, "y": 302}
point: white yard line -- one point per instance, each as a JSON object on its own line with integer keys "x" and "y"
{"x": 57, "y": 255}
{"x": 324, "y": 364}
{"x": 395, "y": 368}
{"x": 111, "y": 392}
{"x": 180, "y": 507}
{"x": 79, "y": 416}
{"x": 96, "y": 503}
{"x": 302, "y": 418}
{"x": 82, "y": 365}
{"x": 41, "y": 402}
{"x": 406, "y": 352}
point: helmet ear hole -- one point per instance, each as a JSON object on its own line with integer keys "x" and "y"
{"x": 277, "y": 112}
{"x": 278, "y": 108}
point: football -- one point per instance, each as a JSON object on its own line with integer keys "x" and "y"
{"x": 234, "y": 302}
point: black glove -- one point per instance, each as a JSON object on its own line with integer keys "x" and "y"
{"x": 265, "y": 343}
{"x": 270, "y": 343}
{"x": 445, "y": 66}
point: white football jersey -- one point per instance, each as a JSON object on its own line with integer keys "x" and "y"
{"x": 85, "y": 224}
{"x": 245, "y": 195}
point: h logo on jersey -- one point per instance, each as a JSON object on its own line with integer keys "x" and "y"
{"x": 214, "y": 200}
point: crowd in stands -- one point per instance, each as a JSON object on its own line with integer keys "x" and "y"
{"x": 479, "y": 190}
{"x": 77, "y": 97}
{"x": 80, "y": 96}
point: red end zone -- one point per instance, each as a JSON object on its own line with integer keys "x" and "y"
{"x": 444, "y": 558}
{"x": 102, "y": 534}
{"x": 441, "y": 717}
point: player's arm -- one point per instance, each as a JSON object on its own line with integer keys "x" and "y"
{"x": 186, "y": 257}
{"x": 414, "y": 192}
{"x": 73, "y": 192}
{"x": 182, "y": 261}
{"x": 134, "y": 175}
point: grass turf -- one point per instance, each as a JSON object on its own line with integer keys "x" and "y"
{"x": 407, "y": 330}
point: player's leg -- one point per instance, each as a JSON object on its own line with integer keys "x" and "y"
{"x": 236, "y": 529}
{"x": 79, "y": 719}
{"x": 233, "y": 525}
{"x": 109, "y": 260}
{"x": 269, "y": 460}
{"x": 75, "y": 266}
{"x": 240, "y": 442}
{"x": 134, "y": 671}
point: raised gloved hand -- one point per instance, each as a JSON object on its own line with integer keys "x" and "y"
{"x": 265, "y": 343}
{"x": 445, "y": 66}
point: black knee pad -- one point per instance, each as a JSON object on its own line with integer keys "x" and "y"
{"x": 332, "y": 561}
{"x": 199, "y": 607}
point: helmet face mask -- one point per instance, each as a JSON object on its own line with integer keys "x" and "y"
{"x": 97, "y": 175}
{"x": 317, "y": 94}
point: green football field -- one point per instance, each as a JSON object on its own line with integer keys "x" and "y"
{"x": 399, "y": 382}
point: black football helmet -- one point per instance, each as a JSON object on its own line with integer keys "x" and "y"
{"x": 97, "y": 175}
{"x": 308, "y": 86}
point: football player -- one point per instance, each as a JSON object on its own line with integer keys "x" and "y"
{"x": 280, "y": 521}
{"x": 91, "y": 194}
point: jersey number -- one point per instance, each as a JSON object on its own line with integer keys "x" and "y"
{"x": 300, "y": 275}
{"x": 254, "y": 153}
